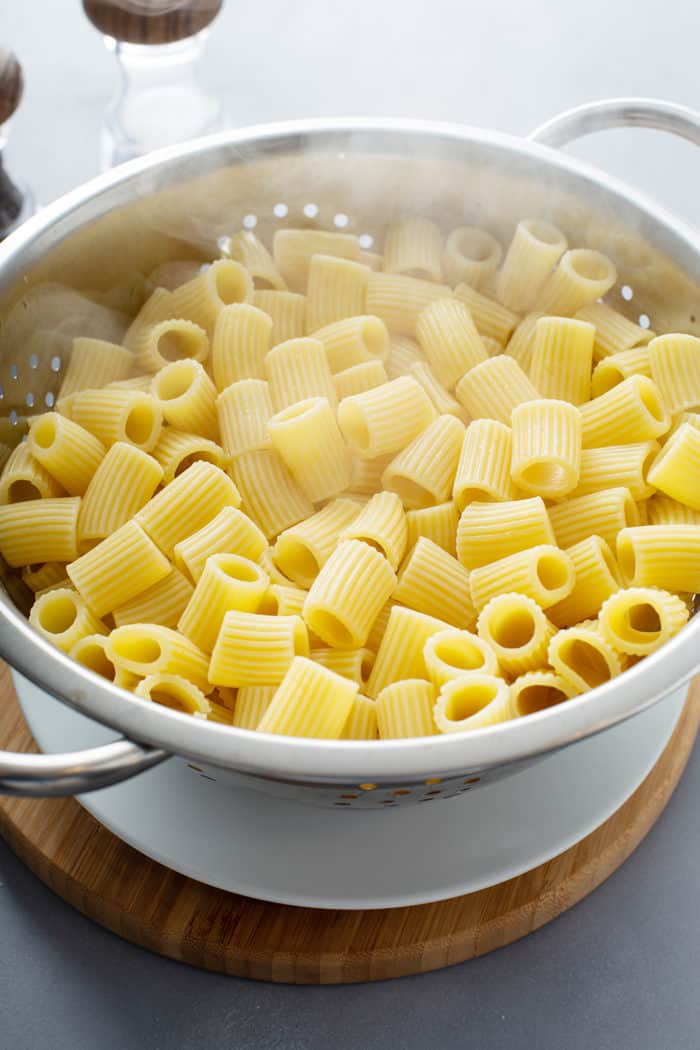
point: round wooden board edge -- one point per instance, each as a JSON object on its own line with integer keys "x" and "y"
{"x": 185, "y": 920}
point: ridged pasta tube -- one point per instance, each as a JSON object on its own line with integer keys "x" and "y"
{"x": 354, "y": 341}
{"x": 271, "y": 496}
{"x": 562, "y": 359}
{"x": 483, "y": 471}
{"x": 543, "y": 573}
{"x": 662, "y": 510}
{"x": 252, "y": 701}
{"x": 618, "y": 367}
{"x": 241, "y": 340}
{"x": 454, "y": 654}
{"x": 470, "y": 703}
{"x": 293, "y": 250}
{"x": 631, "y": 412}
{"x": 492, "y": 319}
{"x": 187, "y": 398}
{"x": 490, "y": 531}
{"x": 596, "y": 514}
{"x": 163, "y": 603}
{"x": 348, "y": 593}
{"x": 522, "y": 341}
{"x": 119, "y": 415}
{"x": 355, "y": 664}
{"x": 581, "y": 277}
{"x": 493, "y": 389}
{"x": 538, "y": 690}
{"x": 95, "y": 363}
{"x": 337, "y": 288}
{"x": 24, "y": 478}
{"x": 282, "y": 600}
{"x": 256, "y": 649}
{"x": 614, "y": 333}
{"x": 288, "y": 313}
{"x": 160, "y": 344}
{"x": 123, "y": 483}
{"x": 597, "y": 576}
{"x": 532, "y": 254}
{"x": 201, "y": 300}
{"x": 177, "y": 450}
{"x": 404, "y": 353}
{"x": 638, "y": 620}
{"x": 676, "y": 468}
{"x": 246, "y": 248}
{"x": 230, "y": 532}
{"x": 172, "y": 514}
{"x": 175, "y": 692}
{"x": 90, "y": 652}
{"x": 39, "y": 530}
{"x": 311, "y": 701}
{"x": 358, "y": 378}
{"x": 449, "y": 338}
{"x": 546, "y": 447}
{"x": 400, "y": 653}
{"x": 361, "y": 723}
{"x": 243, "y": 410}
{"x": 382, "y": 524}
{"x": 433, "y": 582}
{"x": 398, "y": 300}
{"x": 307, "y": 438}
{"x": 517, "y": 630}
{"x": 47, "y": 575}
{"x": 675, "y": 368}
{"x": 405, "y": 709}
{"x": 63, "y": 617}
{"x": 413, "y": 246}
{"x": 227, "y": 582}
{"x": 617, "y": 466}
{"x": 297, "y": 370}
{"x": 471, "y": 255}
{"x": 582, "y": 656}
{"x": 442, "y": 400}
{"x": 423, "y": 473}
{"x": 385, "y": 419}
{"x": 68, "y": 452}
{"x": 118, "y": 568}
{"x": 145, "y": 649}
{"x": 158, "y": 307}
{"x": 302, "y": 550}
{"x": 666, "y": 556}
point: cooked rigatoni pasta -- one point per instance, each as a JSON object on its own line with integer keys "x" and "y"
{"x": 538, "y": 690}
{"x": 581, "y": 277}
{"x": 293, "y": 250}
{"x": 423, "y": 473}
{"x": 256, "y": 649}
{"x": 39, "y": 530}
{"x": 307, "y": 438}
{"x": 662, "y": 510}
{"x": 287, "y": 311}
{"x": 355, "y": 664}
{"x": 438, "y": 524}
{"x": 630, "y": 412}
{"x": 583, "y": 657}
{"x": 49, "y": 574}
{"x": 336, "y": 289}
{"x": 250, "y": 251}
{"x": 489, "y": 531}
{"x": 144, "y": 649}
{"x": 472, "y": 702}
{"x": 617, "y": 466}
{"x": 310, "y": 701}
{"x": 543, "y": 573}
{"x": 398, "y": 300}
{"x": 546, "y": 447}
{"x": 158, "y": 307}
{"x": 494, "y": 388}
{"x": 297, "y": 370}
{"x": 601, "y": 514}
{"x": 413, "y": 246}
{"x": 162, "y": 603}
{"x": 522, "y": 341}
{"x": 400, "y": 653}
{"x": 271, "y": 496}
{"x": 227, "y": 582}
{"x": 471, "y": 255}
{"x": 367, "y": 475}
{"x": 173, "y": 514}
{"x": 354, "y": 341}
{"x": 614, "y": 333}
{"x": 666, "y": 556}
{"x": 454, "y": 654}
{"x": 302, "y": 550}
{"x": 173, "y": 272}
{"x": 219, "y": 285}
{"x": 243, "y": 410}
{"x": 614, "y": 369}
{"x": 230, "y": 532}
{"x": 160, "y": 344}
{"x": 175, "y": 692}
{"x": 675, "y": 368}
{"x": 119, "y": 415}
{"x": 518, "y": 631}
{"x": 176, "y": 451}
{"x": 532, "y": 254}
{"x": 637, "y": 620}
{"x": 187, "y": 398}
{"x": 405, "y": 709}
{"x": 385, "y": 419}
{"x": 252, "y": 701}
{"x": 361, "y": 723}
{"x": 95, "y": 363}
{"x": 241, "y": 340}
{"x": 376, "y": 634}
{"x": 282, "y": 600}
{"x": 118, "y": 568}
{"x": 68, "y": 452}
{"x": 123, "y": 483}
{"x": 382, "y": 524}
{"x": 346, "y": 596}
{"x": 483, "y": 471}
{"x": 404, "y": 352}
{"x": 442, "y": 400}
{"x": 90, "y": 651}
{"x": 358, "y": 378}
{"x": 676, "y": 469}
{"x": 597, "y": 576}
{"x": 492, "y": 319}
{"x": 24, "y": 478}
{"x": 448, "y": 337}
{"x": 433, "y": 582}
{"x": 562, "y": 358}
{"x": 64, "y": 618}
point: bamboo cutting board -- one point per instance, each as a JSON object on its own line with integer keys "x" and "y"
{"x": 167, "y": 913}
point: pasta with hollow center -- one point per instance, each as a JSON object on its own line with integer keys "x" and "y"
{"x": 355, "y": 495}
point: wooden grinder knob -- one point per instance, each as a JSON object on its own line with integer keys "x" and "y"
{"x": 151, "y": 21}
{"x": 11, "y": 84}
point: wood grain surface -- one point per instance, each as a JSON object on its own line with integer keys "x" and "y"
{"x": 152, "y": 906}
{"x": 151, "y": 21}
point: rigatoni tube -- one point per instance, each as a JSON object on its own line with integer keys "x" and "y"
{"x": 676, "y": 468}
{"x": 596, "y": 514}
{"x": 39, "y": 530}
{"x": 271, "y": 496}
{"x": 382, "y": 524}
{"x": 348, "y": 593}
{"x": 242, "y": 338}
{"x": 307, "y": 438}
{"x": 637, "y": 620}
{"x": 162, "y": 603}
{"x": 438, "y": 524}
{"x": 492, "y": 319}
{"x": 675, "y": 367}
{"x": 489, "y": 531}
{"x": 449, "y": 338}
{"x": 433, "y": 582}
{"x": 454, "y": 654}
{"x": 543, "y": 573}
{"x": 538, "y": 690}
{"x": 618, "y": 367}
{"x": 118, "y": 568}
{"x": 311, "y": 701}
{"x": 532, "y": 254}
{"x": 405, "y": 709}
{"x": 173, "y": 691}
{"x": 597, "y": 576}
{"x": 24, "y": 478}
{"x": 517, "y": 630}
{"x": 337, "y": 288}
{"x": 400, "y": 653}
{"x": 493, "y": 389}
{"x": 297, "y": 370}
{"x": 413, "y": 246}
{"x": 187, "y": 398}
{"x": 145, "y": 648}
{"x": 666, "y": 556}
{"x": 227, "y": 582}
{"x": 422, "y": 474}
{"x": 64, "y": 618}
{"x": 172, "y": 514}
{"x": 230, "y": 532}
{"x": 562, "y": 358}
{"x": 385, "y": 419}
{"x": 582, "y": 656}
{"x": 582, "y": 276}
{"x": 256, "y": 649}
{"x": 483, "y": 471}
{"x": 472, "y": 703}
{"x": 631, "y": 412}
{"x": 617, "y": 466}
{"x": 303, "y": 549}
{"x": 177, "y": 450}
{"x": 219, "y": 285}
{"x": 243, "y": 410}
{"x": 546, "y": 447}
{"x": 470, "y": 255}
{"x": 158, "y": 345}
{"x": 67, "y": 451}
{"x": 354, "y": 341}
{"x": 123, "y": 483}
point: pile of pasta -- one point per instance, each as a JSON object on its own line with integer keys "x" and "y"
{"x": 324, "y": 492}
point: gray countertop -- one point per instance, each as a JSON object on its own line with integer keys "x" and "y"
{"x": 619, "y": 970}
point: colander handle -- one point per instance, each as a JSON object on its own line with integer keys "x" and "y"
{"x": 619, "y": 113}
{"x": 53, "y": 776}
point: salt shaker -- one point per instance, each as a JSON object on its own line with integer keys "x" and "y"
{"x": 160, "y": 101}
{"x": 16, "y": 202}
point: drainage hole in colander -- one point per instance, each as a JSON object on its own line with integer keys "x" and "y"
{"x": 280, "y": 211}
{"x": 310, "y": 210}
{"x": 340, "y": 220}
{"x": 626, "y": 293}
{"x": 644, "y": 321}
{"x": 365, "y": 241}
{"x": 250, "y": 221}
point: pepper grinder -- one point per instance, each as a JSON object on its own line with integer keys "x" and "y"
{"x": 158, "y": 45}
{"x": 16, "y": 202}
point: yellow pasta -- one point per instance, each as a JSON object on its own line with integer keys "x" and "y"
{"x": 398, "y": 300}
{"x": 118, "y": 568}
{"x": 546, "y": 447}
{"x": 492, "y": 319}
{"x": 543, "y": 573}
{"x": 187, "y": 398}
{"x": 382, "y": 524}
{"x": 562, "y": 358}
{"x": 423, "y": 473}
{"x": 256, "y": 649}
{"x": 448, "y": 337}
{"x": 173, "y": 272}
{"x": 637, "y": 620}
{"x": 355, "y": 664}
{"x": 311, "y": 701}
{"x": 63, "y": 617}
{"x": 287, "y": 311}
{"x": 483, "y": 471}
{"x": 413, "y": 246}
{"x": 361, "y": 723}
{"x": 581, "y": 277}
{"x": 163, "y": 603}
{"x": 250, "y": 251}
{"x": 385, "y": 419}
{"x": 454, "y": 654}
{"x": 158, "y": 307}
{"x": 494, "y": 388}
{"x": 302, "y": 550}
{"x": 518, "y": 631}
{"x": 614, "y": 369}
{"x": 172, "y": 514}
{"x": 522, "y": 341}
{"x": 675, "y": 368}
{"x": 583, "y": 657}
{"x": 442, "y": 400}
{"x": 337, "y": 288}
{"x": 227, "y": 582}
{"x": 489, "y": 531}
{"x": 293, "y": 250}
{"x": 39, "y": 530}
{"x": 676, "y": 469}
{"x": 438, "y": 524}
{"x": 614, "y": 333}
{"x": 119, "y": 415}
{"x": 241, "y": 340}
{"x": 433, "y": 582}
{"x": 367, "y": 475}
{"x": 95, "y": 363}
{"x": 471, "y": 255}
{"x": 662, "y": 510}
{"x": 90, "y": 652}
{"x": 404, "y": 353}
{"x": 47, "y": 575}
{"x": 354, "y": 341}
{"x": 471, "y": 703}
{"x": 297, "y": 370}
{"x": 666, "y": 556}
{"x": 252, "y": 702}
{"x": 376, "y": 634}
{"x": 230, "y": 532}
{"x": 631, "y": 412}
{"x": 223, "y": 283}
{"x": 161, "y": 344}
{"x": 538, "y": 690}
{"x": 596, "y": 514}
{"x": 615, "y": 466}
{"x": 358, "y": 378}
{"x": 405, "y": 709}
{"x": 307, "y": 438}
{"x": 175, "y": 692}
{"x": 177, "y": 450}
{"x": 243, "y": 410}
{"x": 123, "y": 483}
{"x": 145, "y": 649}
{"x": 23, "y": 478}
{"x": 346, "y": 596}
{"x": 400, "y": 653}
{"x": 68, "y": 452}
{"x": 532, "y": 254}
{"x": 140, "y": 382}
{"x": 597, "y": 576}
{"x": 271, "y": 496}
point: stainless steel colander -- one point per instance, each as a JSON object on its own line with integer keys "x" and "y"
{"x": 77, "y": 269}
